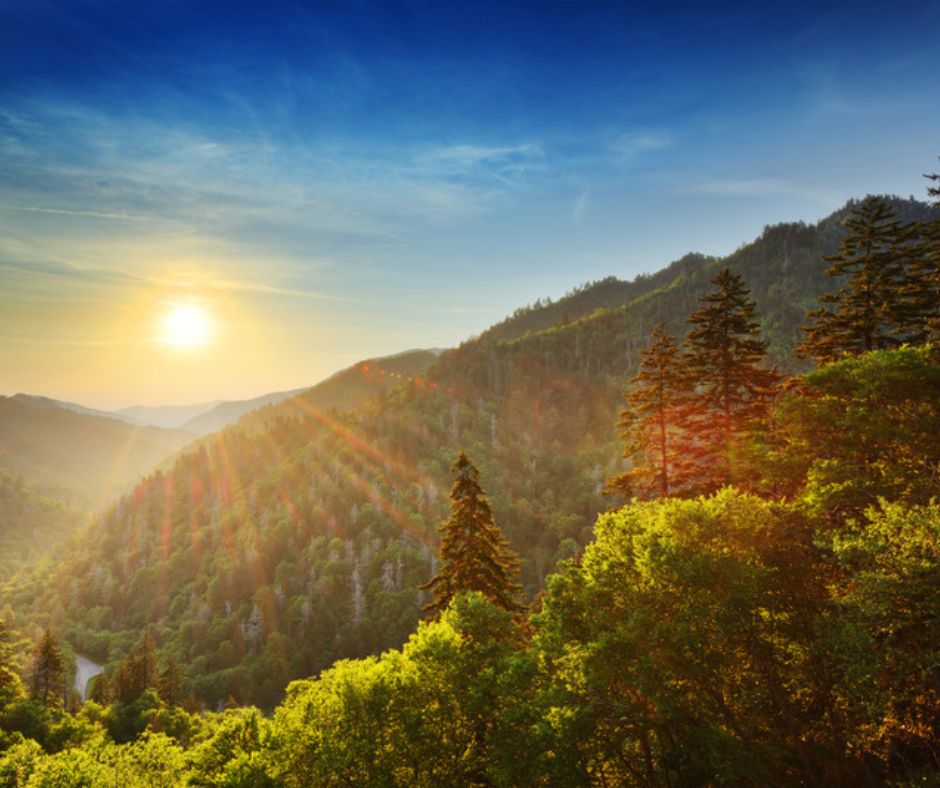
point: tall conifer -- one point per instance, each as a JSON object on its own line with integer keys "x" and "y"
{"x": 48, "y": 680}
{"x": 475, "y": 554}
{"x": 921, "y": 291}
{"x": 732, "y": 387}
{"x": 138, "y": 673}
{"x": 653, "y": 420}
{"x": 934, "y": 191}
{"x": 869, "y": 311}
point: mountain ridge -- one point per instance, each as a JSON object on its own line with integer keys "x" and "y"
{"x": 297, "y": 536}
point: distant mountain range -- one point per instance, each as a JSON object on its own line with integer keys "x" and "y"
{"x": 343, "y": 390}
{"x": 79, "y": 456}
{"x": 296, "y": 537}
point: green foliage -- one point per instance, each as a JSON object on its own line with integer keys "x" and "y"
{"x": 77, "y": 457}
{"x": 138, "y": 672}
{"x": 678, "y": 649}
{"x": 724, "y": 640}
{"x": 888, "y": 635}
{"x": 869, "y": 312}
{"x": 47, "y": 683}
{"x": 235, "y": 751}
{"x": 30, "y": 523}
{"x": 733, "y": 389}
{"x": 858, "y": 430}
{"x": 436, "y": 713}
{"x": 475, "y": 554}
{"x": 153, "y": 761}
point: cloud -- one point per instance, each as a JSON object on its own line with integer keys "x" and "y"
{"x": 581, "y": 206}
{"x": 59, "y": 269}
{"x": 258, "y": 288}
{"x": 765, "y": 187}
{"x": 69, "y": 212}
{"x": 633, "y": 144}
{"x": 508, "y": 163}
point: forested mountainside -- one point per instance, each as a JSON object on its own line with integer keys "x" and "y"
{"x": 30, "y": 523}
{"x": 222, "y": 414}
{"x": 297, "y": 537}
{"x": 345, "y": 390}
{"x": 77, "y": 457}
{"x": 782, "y": 268}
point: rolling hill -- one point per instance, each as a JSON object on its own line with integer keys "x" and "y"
{"x": 297, "y": 536}
{"x": 78, "y": 457}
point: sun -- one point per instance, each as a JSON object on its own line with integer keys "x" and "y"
{"x": 186, "y": 325}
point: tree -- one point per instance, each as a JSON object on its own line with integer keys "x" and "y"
{"x": 933, "y": 191}
{"x": 858, "y": 430}
{"x": 475, "y": 554}
{"x": 733, "y": 390}
{"x": 921, "y": 290}
{"x": 138, "y": 673}
{"x": 659, "y": 394}
{"x": 869, "y": 311}
{"x": 10, "y": 686}
{"x": 101, "y": 690}
{"x": 48, "y": 682}
{"x": 170, "y": 683}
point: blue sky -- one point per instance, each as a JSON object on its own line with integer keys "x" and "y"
{"x": 342, "y": 180}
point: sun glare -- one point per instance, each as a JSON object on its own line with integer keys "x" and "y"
{"x": 186, "y": 325}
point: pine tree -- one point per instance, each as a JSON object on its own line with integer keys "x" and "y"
{"x": 923, "y": 285}
{"x": 101, "y": 691}
{"x": 48, "y": 681}
{"x": 9, "y": 680}
{"x": 733, "y": 389}
{"x": 933, "y": 191}
{"x": 138, "y": 673}
{"x": 171, "y": 682}
{"x": 657, "y": 403}
{"x": 475, "y": 554}
{"x": 869, "y": 311}
{"x": 921, "y": 291}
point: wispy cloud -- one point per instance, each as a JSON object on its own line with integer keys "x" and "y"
{"x": 581, "y": 206}
{"x": 766, "y": 187}
{"x": 69, "y": 212}
{"x": 467, "y": 159}
{"x": 249, "y": 287}
{"x": 631, "y": 144}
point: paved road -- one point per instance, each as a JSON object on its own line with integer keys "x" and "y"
{"x": 85, "y": 671}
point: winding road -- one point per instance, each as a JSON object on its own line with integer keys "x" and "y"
{"x": 85, "y": 671}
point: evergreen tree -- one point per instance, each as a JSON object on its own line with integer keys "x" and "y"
{"x": 654, "y": 416}
{"x": 922, "y": 285}
{"x": 9, "y": 680}
{"x": 101, "y": 690}
{"x": 933, "y": 191}
{"x": 171, "y": 682}
{"x": 869, "y": 311}
{"x": 48, "y": 681}
{"x": 733, "y": 390}
{"x": 475, "y": 554}
{"x": 138, "y": 672}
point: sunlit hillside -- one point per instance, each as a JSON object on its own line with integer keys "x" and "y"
{"x": 297, "y": 537}
{"x": 469, "y": 394}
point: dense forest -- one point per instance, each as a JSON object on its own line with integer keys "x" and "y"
{"x": 761, "y": 608}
